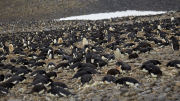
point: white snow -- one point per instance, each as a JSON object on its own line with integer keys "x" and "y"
{"x": 109, "y": 15}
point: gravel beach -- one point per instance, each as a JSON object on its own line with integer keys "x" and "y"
{"x": 44, "y": 30}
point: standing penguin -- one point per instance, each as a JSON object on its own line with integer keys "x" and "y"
{"x": 50, "y": 54}
{"x": 117, "y": 54}
{"x": 175, "y": 44}
{"x": 88, "y": 56}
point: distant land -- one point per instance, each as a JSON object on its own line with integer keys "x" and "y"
{"x": 39, "y": 10}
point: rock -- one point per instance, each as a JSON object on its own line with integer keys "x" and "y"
{"x": 90, "y": 95}
{"x": 145, "y": 92}
{"x": 14, "y": 100}
{"x": 178, "y": 84}
{"x": 150, "y": 97}
{"x": 168, "y": 89}
{"x": 113, "y": 98}
{"x": 137, "y": 64}
{"x": 117, "y": 94}
{"x": 97, "y": 98}
{"x": 162, "y": 97}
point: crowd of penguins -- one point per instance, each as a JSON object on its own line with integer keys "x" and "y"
{"x": 82, "y": 49}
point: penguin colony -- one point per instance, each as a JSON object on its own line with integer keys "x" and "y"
{"x": 64, "y": 62}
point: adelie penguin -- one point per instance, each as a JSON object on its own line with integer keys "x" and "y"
{"x": 128, "y": 81}
{"x": 51, "y": 65}
{"x": 50, "y": 54}
{"x": 41, "y": 81}
{"x": 88, "y": 56}
{"x": 7, "y": 85}
{"x": 154, "y": 62}
{"x": 108, "y": 79}
{"x": 174, "y": 63}
{"x": 80, "y": 74}
{"x": 40, "y": 89}
{"x": 113, "y": 72}
{"x": 16, "y": 79}
{"x": 3, "y": 91}
{"x": 51, "y": 75}
{"x": 86, "y": 78}
{"x": 175, "y": 44}
{"x": 59, "y": 91}
{"x": 41, "y": 72}
{"x": 59, "y": 84}
{"x": 153, "y": 70}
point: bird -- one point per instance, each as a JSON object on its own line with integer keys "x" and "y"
{"x": 40, "y": 89}
{"x": 86, "y": 78}
{"x": 175, "y": 44}
{"x": 109, "y": 78}
{"x": 59, "y": 84}
{"x": 36, "y": 72}
{"x": 58, "y": 91}
{"x": 152, "y": 69}
{"x": 3, "y": 91}
{"x": 16, "y": 79}
{"x": 127, "y": 81}
{"x": 154, "y": 62}
{"x": 113, "y": 71}
{"x": 173, "y": 63}
{"x": 117, "y": 54}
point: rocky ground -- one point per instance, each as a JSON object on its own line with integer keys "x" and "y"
{"x": 163, "y": 88}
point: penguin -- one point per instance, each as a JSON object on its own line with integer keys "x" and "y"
{"x": 129, "y": 45}
{"x": 124, "y": 66}
{"x": 154, "y": 62}
{"x": 50, "y": 54}
{"x": 40, "y": 89}
{"x": 1, "y": 77}
{"x": 33, "y": 56}
{"x": 86, "y": 78}
{"x": 113, "y": 72}
{"x": 80, "y": 74}
{"x": 88, "y": 56}
{"x": 59, "y": 84}
{"x": 85, "y": 41}
{"x": 133, "y": 56}
{"x": 175, "y": 44}
{"x": 82, "y": 65}
{"x": 13, "y": 61}
{"x": 59, "y": 91}
{"x": 144, "y": 50}
{"x": 16, "y": 79}
{"x": 93, "y": 71}
{"x": 22, "y": 72}
{"x": 62, "y": 65}
{"x": 51, "y": 75}
{"x": 3, "y": 91}
{"x": 173, "y": 63}
{"x": 15, "y": 69}
{"x": 7, "y": 85}
{"x": 41, "y": 81}
{"x": 109, "y": 78}
{"x": 117, "y": 54}
{"x": 60, "y": 40}
{"x": 153, "y": 70}
{"x": 34, "y": 73}
{"x": 75, "y": 66}
{"x": 7, "y": 76}
{"x": 50, "y": 65}
{"x": 127, "y": 81}
{"x": 38, "y": 64}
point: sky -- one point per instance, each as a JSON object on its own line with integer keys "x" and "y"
{"x": 109, "y": 15}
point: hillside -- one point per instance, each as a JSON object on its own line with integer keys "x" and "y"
{"x": 38, "y": 10}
